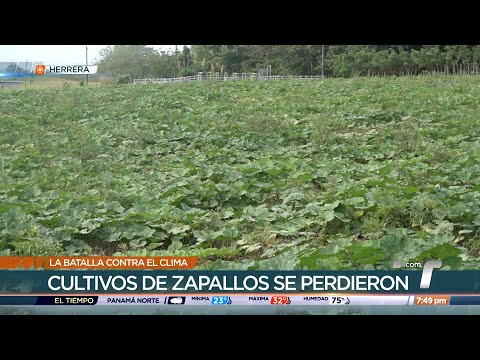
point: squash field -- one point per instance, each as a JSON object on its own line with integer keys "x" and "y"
{"x": 333, "y": 174}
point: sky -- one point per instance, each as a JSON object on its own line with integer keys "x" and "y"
{"x": 59, "y": 54}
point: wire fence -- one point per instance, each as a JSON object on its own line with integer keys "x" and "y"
{"x": 263, "y": 74}
{"x": 266, "y": 74}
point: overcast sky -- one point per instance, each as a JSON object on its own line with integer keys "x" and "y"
{"x": 58, "y": 54}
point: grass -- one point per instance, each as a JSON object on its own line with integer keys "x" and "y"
{"x": 50, "y": 82}
{"x": 332, "y": 174}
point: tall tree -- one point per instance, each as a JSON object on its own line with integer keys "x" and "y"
{"x": 135, "y": 60}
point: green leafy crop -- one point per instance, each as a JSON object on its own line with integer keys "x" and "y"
{"x": 333, "y": 174}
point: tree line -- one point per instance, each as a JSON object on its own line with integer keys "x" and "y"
{"x": 141, "y": 61}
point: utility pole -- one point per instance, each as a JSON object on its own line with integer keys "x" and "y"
{"x": 322, "y": 60}
{"x": 176, "y": 62}
{"x": 86, "y": 59}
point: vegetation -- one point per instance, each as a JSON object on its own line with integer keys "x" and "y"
{"x": 141, "y": 61}
{"x": 334, "y": 174}
{"x": 124, "y": 79}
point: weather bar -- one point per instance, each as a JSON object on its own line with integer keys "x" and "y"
{"x": 212, "y": 300}
{"x": 233, "y": 299}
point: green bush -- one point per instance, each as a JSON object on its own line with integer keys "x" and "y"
{"x": 124, "y": 79}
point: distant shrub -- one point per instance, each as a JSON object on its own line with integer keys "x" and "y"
{"x": 82, "y": 83}
{"x": 107, "y": 79}
{"x": 124, "y": 79}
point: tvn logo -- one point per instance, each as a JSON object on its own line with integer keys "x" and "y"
{"x": 426, "y": 272}
{"x": 65, "y": 69}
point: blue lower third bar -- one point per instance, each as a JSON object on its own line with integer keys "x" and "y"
{"x": 18, "y": 300}
{"x": 465, "y": 300}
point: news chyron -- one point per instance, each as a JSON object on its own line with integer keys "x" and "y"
{"x": 65, "y": 69}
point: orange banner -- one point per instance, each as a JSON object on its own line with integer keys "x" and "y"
{"x": 432, "y": 300}
{"x": 99, "y": 262}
